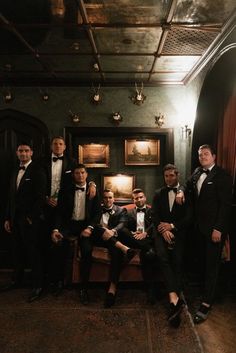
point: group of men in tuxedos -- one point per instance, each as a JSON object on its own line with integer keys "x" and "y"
{"x": 50, "y": 201}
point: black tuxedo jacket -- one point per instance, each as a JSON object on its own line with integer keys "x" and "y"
{"x": 212, "y": 207}
{"x": 180, "y": 215}
{"x": 118, "y": 218}
{"x": 132, "y": 220}
{"x": 66, "y": 175}
{"x": 66, "y": 206}
{"x": 28, "y": 200}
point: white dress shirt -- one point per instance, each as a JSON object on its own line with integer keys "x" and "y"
{"x": 21, "y": 173}
{"x": 79, "y": 204}
{"x": 56, "y": 170}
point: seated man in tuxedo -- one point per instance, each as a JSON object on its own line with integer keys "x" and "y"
{"x": 106, "y": 234}
{"x": 58, "y": 168}
{"x": 76, "y": 214}
{"x": 170, "y": 226}
{"x": 138, "y": 234}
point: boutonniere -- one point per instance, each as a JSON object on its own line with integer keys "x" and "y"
{"x": 112, "y": 212}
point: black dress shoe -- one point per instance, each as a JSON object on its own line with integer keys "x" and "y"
{"x": 57, "y": 288}
{"x": 109, "y": 300}
{"x": 175, "y": 310}
{"x": 11, "y": 286}
{"x": 201, "y": 314}
{"x": 151, "y": 296}
{"x": 35, "y": 294}
{"x": 83, "y": 297}
{"x": 175, "y": 322}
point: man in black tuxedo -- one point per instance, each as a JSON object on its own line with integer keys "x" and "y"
{"x": 138, "y": 234}
{"x": 210, "y": 188}
{"x": 76, "y": 215}
{"x": 58, "y": 168}
{"x": 171, "y": 222}
{"x": 106, "y": 234}
{"x": 24, "y": 218}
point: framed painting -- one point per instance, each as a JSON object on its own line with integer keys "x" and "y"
{"x": 94, "y": 155}
{"x": 142, "y": 152}
{"x": 121, "y": 185}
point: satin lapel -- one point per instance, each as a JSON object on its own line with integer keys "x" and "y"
{"x": 195, "y": 178}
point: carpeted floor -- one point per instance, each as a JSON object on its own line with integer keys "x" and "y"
{"x": 63, "y": 325}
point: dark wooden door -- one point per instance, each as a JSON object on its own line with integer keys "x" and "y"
{"x": 14, "y": 128}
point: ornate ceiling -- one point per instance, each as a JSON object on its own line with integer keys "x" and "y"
{"x": 109, "y": 42}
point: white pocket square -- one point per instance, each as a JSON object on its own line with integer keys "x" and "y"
{"x": 210, "y": 182}
{"x": 67, "y": 171}
{"x": 27, "y": 179}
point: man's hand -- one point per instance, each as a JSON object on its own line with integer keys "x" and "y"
{"x": 7, "y": 226}
{"x": 86, "y": 232}
{"x": 216, "y": 236}
{"x": 91, "y": 190}
{"x": 56, "y": 236}
{"x": 180, "y": 198}
{"x": 51, "y": 201}
{"x": 168, "y": 236}
{"x": 163, "y": 227}
{"x": 108, "y": 234}
{"x": 140, "y": 235}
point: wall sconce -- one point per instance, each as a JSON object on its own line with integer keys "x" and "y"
{"x": 159, "y": 120}
{"x": 74, "y": 117}
{"x": 8, "y": 96}
{"x": 44, "y": 95}
{"x": 116, "y": 118}
{"x": 139, "y": 97}
{"x": 95, "y": 67}
{"x": 96, "y": 98}
{"x": 186, "y": 132}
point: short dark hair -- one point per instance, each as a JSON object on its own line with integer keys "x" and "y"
{"x": 79, "y": 166}
{"x": 107, "y": 190}
{"x": 24, "y": 143}
{"x": 137, "y": 191}
{"x": 58, "y": 138}
{"x": 207, "y": 147}
{"x": 170, "y": 166}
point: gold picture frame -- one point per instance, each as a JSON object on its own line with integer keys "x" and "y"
{"x": 142, "y": 152}
{"x": 94, "y": 155}
{"x": 121, "y": 185}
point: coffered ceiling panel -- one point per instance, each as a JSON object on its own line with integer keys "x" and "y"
{"x": 107, "y": 42}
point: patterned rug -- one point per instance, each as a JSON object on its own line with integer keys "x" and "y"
{"x": 62, "y": 325}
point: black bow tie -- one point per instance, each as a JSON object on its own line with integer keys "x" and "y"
{"x": 141, "y": 209}
{"x": 206, "y": 171}
{"x": 79, "y": 188}
{"x": 56, "y": 158}
{"x": 172, "y": 189}
{"x": 22, "y": 167}
{"x": 107, "y": 210}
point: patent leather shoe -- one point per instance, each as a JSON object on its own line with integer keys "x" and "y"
{"x": 202, "y": 314}
{"x": 175, "y": 309}
{"x": 109, "y": 300}
{"x": 151, "y": 296}
{"x": 35, "y": 294}
{"x": 83, "y": 296}
{"x": 57, "y": 288}
{"x": 11, "y": 286}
